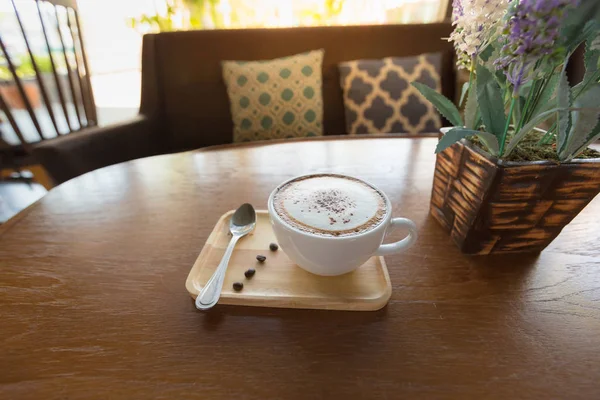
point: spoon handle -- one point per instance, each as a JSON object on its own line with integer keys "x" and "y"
{"x": 210, "y": 293}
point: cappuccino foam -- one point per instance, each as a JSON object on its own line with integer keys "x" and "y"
{"x": 330, "y": 205}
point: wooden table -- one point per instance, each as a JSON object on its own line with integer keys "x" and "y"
{"x": 93, "y": 304}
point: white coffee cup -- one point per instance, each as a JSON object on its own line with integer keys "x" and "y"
{"x": 337, "y": 255}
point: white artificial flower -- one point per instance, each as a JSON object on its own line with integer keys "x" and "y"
{"x": 473, "y": 21}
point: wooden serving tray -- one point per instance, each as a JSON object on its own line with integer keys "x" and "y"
{"x": 278, "y": 282}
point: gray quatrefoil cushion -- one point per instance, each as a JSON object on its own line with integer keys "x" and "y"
{"x": 276, "y": 99}
{"x": 378, "y": 96}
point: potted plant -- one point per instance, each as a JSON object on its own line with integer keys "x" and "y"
{"x": 501, "y": 184}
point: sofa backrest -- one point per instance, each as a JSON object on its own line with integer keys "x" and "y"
{"x": 182, "y": 79}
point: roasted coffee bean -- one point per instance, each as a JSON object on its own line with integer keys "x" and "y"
{"x": 250, "y": 273}
{"x": 273, "y": 246}
{"x": 238, "y": 286}
{"x": 261, "y": 258}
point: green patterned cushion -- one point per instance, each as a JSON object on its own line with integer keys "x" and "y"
{"x": 379, "y": 98}
{"x": 276, "y": 99}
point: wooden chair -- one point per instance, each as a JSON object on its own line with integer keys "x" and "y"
{"x": 17, "y": 188}
{"x": 58, "y": 100}
{"x": 54, "y": 103}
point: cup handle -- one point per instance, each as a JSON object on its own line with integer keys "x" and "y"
{"x": 393, "y": 248}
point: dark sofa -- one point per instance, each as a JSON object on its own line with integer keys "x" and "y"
{"x": 184, "y": 103}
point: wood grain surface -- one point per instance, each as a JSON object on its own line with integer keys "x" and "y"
{"x": 278, "y": 282}
{"x": 92, "y": 302}
{"x": 508, "y": 208}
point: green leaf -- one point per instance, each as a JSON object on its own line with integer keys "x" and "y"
{"x": 488, "y": 52}
{"x": 491, "y": 103}
{"x": 490, "y": 141}
{"x": 592, "y": 137}
{"x": 546, "y": 95}
{"x": 443, "y": 105}
{"x": 589, "y": 32}
{"x": 565, "y": 100}
{"x": 524, "y": 90}
{"x": 538, "y": 119}
{"x": 519, "y": 107}
{"x": 455, "y": 134}
{"x": 591, "y": 61}
{"x": 471, "y": 107}
{"x": 501, "y": 77}
{"x": 575, "y": 28}
{"x": 463, "y": 93}
{"x": 592, "y": 48}
{"x": 492, "y": 55}
{"x": 535, "y": 121}
{"x": 584, "y": 122}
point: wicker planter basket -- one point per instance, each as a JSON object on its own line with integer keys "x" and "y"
{"x": 489, "y": 206}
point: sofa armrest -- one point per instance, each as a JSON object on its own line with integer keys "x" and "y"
{"x": 68, "y": 156}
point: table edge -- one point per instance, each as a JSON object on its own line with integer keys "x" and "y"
{"x": 259, "y": 143}
{"x": 11, "y": 222}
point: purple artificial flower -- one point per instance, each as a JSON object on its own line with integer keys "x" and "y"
{"x": 532, "y": 27}
{"x": 457, "y": 10}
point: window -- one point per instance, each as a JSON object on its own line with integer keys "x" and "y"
{"x": 112, "y": 31}
{"x": 227, "y": 14}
